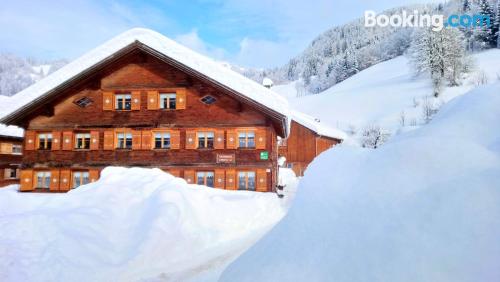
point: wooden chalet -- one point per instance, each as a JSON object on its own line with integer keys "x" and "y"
{"x": 143, "y": 100}
{"x": 308, "y": 138}
{"x": 10, "y": 156}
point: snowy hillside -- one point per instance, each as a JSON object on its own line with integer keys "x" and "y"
{"x": 133, "y": 224}
{"x": 385, "y": 93}
{"x": 424, "y": 207}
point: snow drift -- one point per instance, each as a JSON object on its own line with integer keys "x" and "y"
{"x": 424, "y": 207}
{"x": 132, "y": 224}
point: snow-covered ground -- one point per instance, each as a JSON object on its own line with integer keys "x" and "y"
{"x": 132, "y": 225}
{"x": 424, "y": 207}
{"x": 382, "y": 93}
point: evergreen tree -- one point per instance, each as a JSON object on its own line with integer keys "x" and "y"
{"x": 466, "y": 6}
{"x": 487, "y": 32}
{"x": 497, "y": 24}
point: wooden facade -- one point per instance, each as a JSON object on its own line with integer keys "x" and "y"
{"x": 10, "y": 159}
{"x": 302, "y": 146}
{"x": 141, "y": 110}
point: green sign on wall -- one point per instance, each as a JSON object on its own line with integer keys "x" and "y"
{"x": 264, "y": 155}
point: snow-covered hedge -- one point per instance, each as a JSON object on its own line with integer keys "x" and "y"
{"x": 424, "y": 207}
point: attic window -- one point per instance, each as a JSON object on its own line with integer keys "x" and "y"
{"x": 83, "y": 102}
{"x": 209, "y": 100}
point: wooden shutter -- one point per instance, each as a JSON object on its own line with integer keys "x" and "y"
{"x": 108, "y": 101}
{"x": 219, "y": 178}
{"x": 261, "y": 180}
{"x": 54, "y": 180}
{"x": 175, "y": 172}
{"x": 93, "y": 175}
{"x": 67, "y": 139}
{"x": 65, "y": 180}
{"x": 153, "y": 102}
{"x": 109, "y": 140}
{"x": 29, "y": 140}
{"x": 147, "y": 143}
{"x": 219, "y": 139}
{"x": 180, "y": 99}
{"x": 136, "y": 139}
{"x": 191, "y": 142}
{"x": 175, "y": 139}
{"x": 136, "y": 100}
{"x": 231, "y": 139}
{"x": 56, "y": 140}
{"x": 260, "y": 139}
{"x": 94, "y": 140}
{"x": 6, "y": 148}
{"x": 189, "y": 176}
{"x": 26, "y": 180}
{"x": 6, "y": 173}
{"x": 231, "y": 179}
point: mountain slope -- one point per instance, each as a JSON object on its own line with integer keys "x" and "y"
{"x": 380, "y": 94}
{"x": 424, "y": 207}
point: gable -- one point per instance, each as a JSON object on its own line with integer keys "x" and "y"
{"x": 246, "y": 91}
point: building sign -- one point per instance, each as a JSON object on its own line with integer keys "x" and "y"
{"x": 264, "y": 155}
{"x": 226, "y": 158}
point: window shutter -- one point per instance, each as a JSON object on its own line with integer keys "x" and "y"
{"x": 56, "y": 140}
{"x": 175, "y": 139}
{"x": 189, "y": 176}
{"x": 94, "y": 140}
{"x": 191, "y": 142}
{"x": 232, "y": 139}
{"x": 6, "y": 148}
{"x": 136, "y": 139}
{"x": 153, "y": 100}
{"x": 64, "y": 180}
{"x": 29, "y": 140}
{"x": 175, "y": 172}
{"x": 54, "y": 180}
{"x": 231, "y": 179}
{"x": 219, "y": 139}
{"x": 136, "y": 100}
{"x": 219, "y": 178}
{"x": 107, "y": 100}
{"x": 260, "y": 139}
{"x": 6, "y": 173}
{"x": 67, "y": 140}
{"x": 180, "y": 99}
{"x": 147, "y": 142}
{"x": 93, "y": 175}
{"x": 26, "y": 180}
{"x": 109, "y": 140}
{"x": 261, "y": 180}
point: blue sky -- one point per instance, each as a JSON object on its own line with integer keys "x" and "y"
{"x": 253, "y": 33}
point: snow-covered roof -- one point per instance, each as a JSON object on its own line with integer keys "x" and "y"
{"x": 166, "y": 47}
{"x": 318, "y": 127}
{"x": 11, "y": 130}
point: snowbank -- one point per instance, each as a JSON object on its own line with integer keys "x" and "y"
{"x": 132, "y": 224}
{"x": 424, "y": 207}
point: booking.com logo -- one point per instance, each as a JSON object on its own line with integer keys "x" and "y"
{"x": 415, "y": 19}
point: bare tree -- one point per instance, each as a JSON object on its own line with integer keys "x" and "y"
{"x": 374, "y": 136}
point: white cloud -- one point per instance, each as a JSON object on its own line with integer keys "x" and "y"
{"x": 193, "y": 41}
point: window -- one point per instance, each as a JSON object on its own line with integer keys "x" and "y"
{"x": 162, "y": 140}
{"x": 43, "y": 179}
{"x": 82, "y": 141}
{"x": 205, "y": 178}
{"x": 209, "y": 100}
{"x": 246, "y": 139}
{"x": 124, "y": 140}
{"x": 167, "y": 100}
{"x": 205, "y": 140}
{"x": 123, "y": 102}
{"x": 246, "y": 180}
{"x": 80, "y": 178}
{"x": 83, "y": 102}
{"x": 45, "y": 141}
{"x": 282, "y": 142}
{"x": 17, "y": 149}
{"x": 11, "y": 173}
